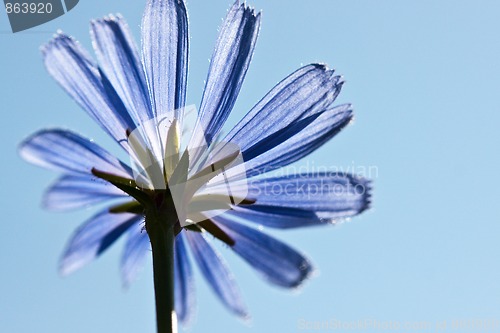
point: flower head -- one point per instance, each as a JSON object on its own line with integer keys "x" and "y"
{"x": 213, "y": 184}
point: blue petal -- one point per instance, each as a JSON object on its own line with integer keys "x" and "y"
{"x": 298, "y": 142}
{"x": 278, "y": 137}
{"x": 287, "y": 145}
{"x": 165, "y": 53}
{"x": 75, "y": 191}
{"x": 334, "y": 195}
{"x": 298, "y": 200}
{"x": 275, "y": 216}
{"x": 215, "y": 271}
{"x": 71, "y": 66}
{"x": 228, "y": 67}
{"x": 276, "y": 261}
{"x": 93, "y": 238}
{"x": 184, "y": 282}
{"x": 120, "y": 61}
{"x": 309, "y": 90}
{"x": 71, "y": 153}
{"x": 137, "y": 246}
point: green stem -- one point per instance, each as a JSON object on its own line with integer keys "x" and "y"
{"x": 160, "y": 228}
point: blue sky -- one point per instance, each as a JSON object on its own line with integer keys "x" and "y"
{"x": 424, "y": 79}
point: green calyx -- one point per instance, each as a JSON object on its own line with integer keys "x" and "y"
{"x": 172, "y": 178}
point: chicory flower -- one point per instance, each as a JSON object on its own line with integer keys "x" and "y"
{"x": 138, "y": 97}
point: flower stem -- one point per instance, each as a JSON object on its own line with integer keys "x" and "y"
{"x": 160, "y": 228}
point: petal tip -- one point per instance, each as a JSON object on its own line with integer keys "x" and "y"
{"x": 306, "y": 272}
{"x": 59, "y": 35}
{"x": 66, "y": 268}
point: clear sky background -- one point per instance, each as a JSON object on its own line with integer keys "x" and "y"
{"x": 424, "y": 77}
